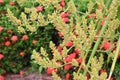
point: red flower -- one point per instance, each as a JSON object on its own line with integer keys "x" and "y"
{"x": 9, "y": 31}
{"x": 76, "y": 33}
{"x": 100, "y": 8}
{"x": 64, "y": 14}
{"x": 21, "y": 53}
{"x": 4, "y": 12}
{"x": 60, "y": 34}
{"x": 1, "y": 1}
{"x": 24, "y": 37}
{"x": 77, "y": 51}
{"x": 111, "y": 78}
{"x": 106, "y": 45}
{"x": 62, "y": 3}
{"x": 96, "y": 37}
{"x": 51, "y": 1}
{"x": 102, "y": 71}
{"x": 34, "y": 42}
{"x": 60, "y": 52}
{"x": 66, "y": 20}
{"x": 67, "y": 76}
{"x": 69, "y": 44}
{"x": 6, "y": 38}
{"x": 93, "y": 15}
{"x": 1, "y": 56}
{"x": 12, "y": 3}
{"x": 70, "y": 57}
{"x": 39, "y": 8}
{"x": 67, "y": 67}
{"x": 79, "y": 60}
{"x": 1, "y": 28}
{"x": 103, "y": 21}
{"x": 7, "y": 43}
{"x": 88, "y": 76}
{"x": 1, "y": 77}
{"x": 21, "y": 72}
{"x": 59, "y": 48}
{"x": 60, "y": 63}
{"x": 50, "y": 70}
{"x": 14, "y": 38}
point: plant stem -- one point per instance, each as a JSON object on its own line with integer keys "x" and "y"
{"x": 115, "y": 59}
{"x": 108, "y": 3}
{"x": 96, "y": 46}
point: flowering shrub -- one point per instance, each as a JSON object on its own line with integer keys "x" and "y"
{"x": 88, "y": 31}
{"x": 16, "y": 45}
{"x": 90, "y": 42}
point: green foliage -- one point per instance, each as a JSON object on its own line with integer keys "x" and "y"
{"x": 81, "y": 32}
{"x": 87, "y": 29}
{"x": 13, "y": 61}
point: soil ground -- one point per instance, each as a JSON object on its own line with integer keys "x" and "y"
{"x": 31, "y": 76}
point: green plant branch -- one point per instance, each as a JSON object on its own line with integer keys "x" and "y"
{"x": 108, "y": 3}
{"x": 96, "y": 46}
{"x": 115, "y": 59}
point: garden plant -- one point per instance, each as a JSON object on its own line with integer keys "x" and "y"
{"x": 68, "y": 39}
